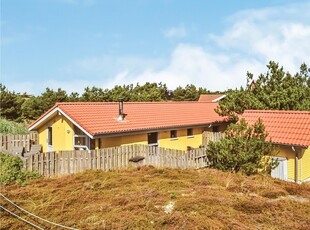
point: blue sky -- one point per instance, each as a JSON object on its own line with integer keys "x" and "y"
{"x": 72, "y": 44}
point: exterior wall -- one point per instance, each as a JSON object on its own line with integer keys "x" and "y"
{"x": 305, "y": 165}
{"x": 182, "y": 140}
{"x": 164, "y": 140}
{"x": 62, "y": 140}
{"x": 124, "y": 140}
{"x": 303, "y": 162}
{"x": 289, "y": 154}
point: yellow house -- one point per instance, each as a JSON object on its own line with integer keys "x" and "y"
{"x": 290, "y": 130}
{"x": 93, "y": 125}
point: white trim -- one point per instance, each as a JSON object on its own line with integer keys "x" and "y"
{"x": 76, "y": 124}
{"x": 43, "y": 119}
{"x": 306, "y": 180}
{"x": 219, "y": 98}
{"x": 57, "y": 109}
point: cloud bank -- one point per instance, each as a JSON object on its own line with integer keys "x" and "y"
{"x": 251, "y": 40}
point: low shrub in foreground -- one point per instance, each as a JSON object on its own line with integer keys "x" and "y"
{"x": 11, "y": 169}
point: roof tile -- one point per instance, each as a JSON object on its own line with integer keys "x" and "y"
{"x": 283, "y": 127}
{"x": 99, "y": 118}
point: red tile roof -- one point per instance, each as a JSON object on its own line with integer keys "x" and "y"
{"x": 209, "y": 97}
{"x": 284, "y": 127}
{"x": 100, "y": 117}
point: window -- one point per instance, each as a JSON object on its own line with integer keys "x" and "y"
{"x": 81, "y": 141}
{"x": 152, "y": 139}
{"x": 173, "y": 134}
{"x": 50, "y": 135}
{"x": 190, "y": 133}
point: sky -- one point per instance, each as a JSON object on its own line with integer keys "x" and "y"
{"x": 74, "y": 44}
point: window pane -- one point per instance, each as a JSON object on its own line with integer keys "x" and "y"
{"x": 173, "y": 134}
{"x": 189, "y": 132}
{"x": 152, "y": 138}
{"x": 50, "y": 136}
{"x": 79, "y": 140}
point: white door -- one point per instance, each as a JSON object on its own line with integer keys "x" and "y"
{"x": 50, "y": 139}
{"x": 280, "y": 171}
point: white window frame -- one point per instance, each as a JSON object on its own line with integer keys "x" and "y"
{"x": 84, "y": 147}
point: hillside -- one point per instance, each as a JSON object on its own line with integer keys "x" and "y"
{"x": 150, "y": 198}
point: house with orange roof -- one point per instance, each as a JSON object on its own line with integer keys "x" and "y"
{"x": 290, "y": 130}
{"x": 93, "y": 125}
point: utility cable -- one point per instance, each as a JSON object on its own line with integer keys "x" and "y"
{"x": 22, "y": 219}
{"x": 47, "y": 221}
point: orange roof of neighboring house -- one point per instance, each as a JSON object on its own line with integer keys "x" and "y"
{"x": 284, "y": 127}
{"x": 210, "y": 97}
{"x": 99, "y": 118}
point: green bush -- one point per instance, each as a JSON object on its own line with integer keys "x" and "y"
{"x": 11, "y": 169}
{"x": 244, "y": 149}
{"x": 11, "y": 127}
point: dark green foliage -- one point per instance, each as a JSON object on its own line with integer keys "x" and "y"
{"x": 243, "y": 149}
{"x": 275, "y": 90}
{"x": 189, "y": 93}
{"x": 16, "y": 107}
{"x": 12, "y": 170}
{"x": 36, "y": 106}
{"x": 10, "y": 103}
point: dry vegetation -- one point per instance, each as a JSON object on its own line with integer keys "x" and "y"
{"x": 136, "y": 199}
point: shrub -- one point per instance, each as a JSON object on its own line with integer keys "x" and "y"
{"x": 11, "y": 127}
{"x": 11, "y": 169}
{"x": 243, "y": 149}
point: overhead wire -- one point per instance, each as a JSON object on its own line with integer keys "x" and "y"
{"x": 40, "y": 218}
{"x": 22, "y": 219}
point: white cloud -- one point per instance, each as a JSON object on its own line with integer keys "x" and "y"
{"x": 193, "y": 65}
{"x": 175, "y": 32}
{"x": 281, "y": 34}
{"x": 253, "y": 38}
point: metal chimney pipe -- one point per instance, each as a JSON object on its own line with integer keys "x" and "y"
{"x": 121, "y": 110}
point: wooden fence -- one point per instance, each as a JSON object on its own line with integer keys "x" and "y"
{"x": 8, "y": 142}
{"x": 211, "y": 136}
{"x": 68, "y": 162}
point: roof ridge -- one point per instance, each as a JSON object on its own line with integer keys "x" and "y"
{"x": 129, "y": 102}
{"x": 277, "y": 111}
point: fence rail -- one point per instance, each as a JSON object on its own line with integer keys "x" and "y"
{"x": 8, "y": 142}
{"x": 68, "y": 162}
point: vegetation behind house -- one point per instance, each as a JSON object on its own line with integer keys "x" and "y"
{"x": 275, "y": 90}
{"x": 11, "y": 127}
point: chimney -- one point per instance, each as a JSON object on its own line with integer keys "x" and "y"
{"x": 121, "y": 114}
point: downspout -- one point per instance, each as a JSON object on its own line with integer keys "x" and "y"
{"x": 296, "y": 164}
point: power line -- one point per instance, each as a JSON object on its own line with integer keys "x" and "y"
{"x": 40, "y": 218}
{"x": 18, "y": 217}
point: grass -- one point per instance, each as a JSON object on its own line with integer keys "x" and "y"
{"x": 12, "y": 127}
{"x": 137, "y": 198}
